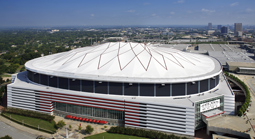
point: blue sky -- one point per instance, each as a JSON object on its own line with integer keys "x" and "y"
{"x": 125, "y": 12}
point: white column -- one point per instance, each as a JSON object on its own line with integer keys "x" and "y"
{"x": 208, "y": 84}
{"x": 198, "y": 86}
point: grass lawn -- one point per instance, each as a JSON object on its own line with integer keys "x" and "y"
{"x": 6, "y": 75}
{"x": 34, "y": 121}
{"x": 112, "y": 136}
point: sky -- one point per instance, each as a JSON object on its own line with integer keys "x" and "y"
{"x": 19, "y": 13}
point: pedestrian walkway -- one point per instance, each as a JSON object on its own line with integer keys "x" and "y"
{"x": 74, "y": 132}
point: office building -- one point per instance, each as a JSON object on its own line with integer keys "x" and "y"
{"x": 238, "y": 29}
{"x": 209, "y": 26}
{"x": 224, "y": 30}
{"x": 219, "y": 27}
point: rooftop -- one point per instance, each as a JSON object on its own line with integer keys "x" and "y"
{"x": 226, "y": 53}
{"x": 241, "y": 64}
{"x": 127, "y": 62}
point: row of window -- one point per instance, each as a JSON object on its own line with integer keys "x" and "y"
{"x": 130, "y": 89}
{"x": 89, "y": 111}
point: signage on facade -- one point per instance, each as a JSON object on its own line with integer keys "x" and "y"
{"x": 209, "y": 105}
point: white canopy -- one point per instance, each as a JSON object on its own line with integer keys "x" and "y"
{"x": 122, "y": 61}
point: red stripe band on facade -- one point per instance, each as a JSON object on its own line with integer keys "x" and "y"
{"x": 131, "y": 118}
{"x": 131, "y": 121}
{"x": 45, "y": 107}
{"x": 83, "y": 96}
{"x": 131, "y": 111}
{"x": 46, "y": 110}
{"x": 54, "y": 99}
{"x": 85, "y": 99}
{"x": 132, "y": 114}
{"x": 88, "y": 106}
{"x": 42, "y": 104}
{"x": 131, "y": 124}
{"x": 126, "y": 104}
{"x": 91, "y": 97}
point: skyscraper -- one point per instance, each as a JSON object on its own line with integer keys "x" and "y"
{"x": 219, "y": 27}
{"x": 224, "y": 30}
{"x": 238, "y": 29}
{"x": 209, "y": 26}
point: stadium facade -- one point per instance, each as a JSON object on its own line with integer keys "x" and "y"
{"x": 126, "y": 84}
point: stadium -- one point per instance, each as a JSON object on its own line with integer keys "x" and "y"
{"x": 126, "y": 84}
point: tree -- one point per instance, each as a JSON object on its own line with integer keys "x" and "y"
{"x": 1, "y": 80}
{"x": 89, "y": 129}
{"x": 6, "y": 137}
{"x": 60, "y": 124}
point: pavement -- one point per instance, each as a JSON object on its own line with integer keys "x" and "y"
{"x": 235, "y": 123}
{"x": 74, "y": 132}
{"x": 17, "y": 131}
{"x": 6, "y": 129}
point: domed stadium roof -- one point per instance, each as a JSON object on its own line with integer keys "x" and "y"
{"x": 127, "y": 62}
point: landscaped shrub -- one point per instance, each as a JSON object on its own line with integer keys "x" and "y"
{"x": 30, "y": 113}
{"x": 244, "y": 107}
{"x": 60, "y": 124}
{"x": 89, "y": 129}
{"x": 142, "y": 133}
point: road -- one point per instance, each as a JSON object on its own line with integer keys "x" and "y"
{"x": 251, "y": 83}
{"x": 13, "y": 132}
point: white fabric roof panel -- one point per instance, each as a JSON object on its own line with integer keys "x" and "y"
{"x": 127, "y": 62}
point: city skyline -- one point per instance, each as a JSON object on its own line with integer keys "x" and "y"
{"x": 143, "y": 12}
